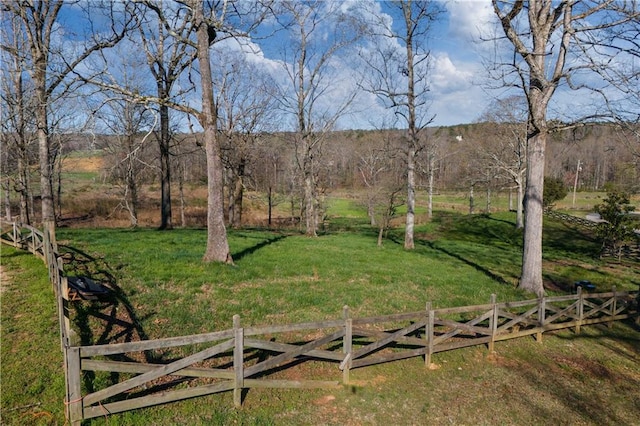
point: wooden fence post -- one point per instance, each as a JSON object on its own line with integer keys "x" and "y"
{"x": 73, "y": 403}
{"x": 428, "y": 335}
{"x": 614, "y": 306}
{"x": 580, "y": 309}
{"x": 493, "y": 324}
{"x": 347, "y": 345}
{"x": 15, "y": 235}
{"x": 238, "y": 361}
{"x": 542, "y": 310}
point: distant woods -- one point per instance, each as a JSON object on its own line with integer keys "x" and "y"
{"x": 366, "y": 162}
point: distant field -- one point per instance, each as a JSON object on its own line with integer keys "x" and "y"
{"x": 86, "y": 194}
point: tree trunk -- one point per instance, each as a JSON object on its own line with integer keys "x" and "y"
{"x": 270, "y": 202}
{"x": 531, "y": 278}
{"x": 6, "y": 188}
{"x": 217, "y": 245}
{"x": 471, "y": 200}
{"x": 309, "y": 206}
{"x": 132, "y": 189}
{"x": 164, "y": 143}
{"x": 183, "y": 221}
{"x": 411, "y": 199}
{"x": 488, "y": 206}
{"x": 46, "y": 169}
{"x": 238, "y": 194}
{"x": 26, "y": 203}
{"x": 371, "y": 210}
{"x": 519, "y": 201}
{"x": 430, "y": 195}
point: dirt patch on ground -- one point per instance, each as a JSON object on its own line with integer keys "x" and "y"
{"x": 84, "y": 164}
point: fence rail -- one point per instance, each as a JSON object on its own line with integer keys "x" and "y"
{"x": 245, "y": 357}
{"x": 571, "y": 219}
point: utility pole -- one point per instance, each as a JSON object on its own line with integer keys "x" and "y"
{"x": 575, "y": 184}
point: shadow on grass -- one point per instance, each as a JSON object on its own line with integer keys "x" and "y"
{"x": 588, "y": 390}
{"x": 114, "y": 312}
{"x": 622, "y": 339}
{"x": 250, "y": 250}
{"x": 480, "y": 268}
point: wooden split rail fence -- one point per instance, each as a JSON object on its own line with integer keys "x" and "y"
{"x": 153, "y": 372}
{"x": 575, "y": 220}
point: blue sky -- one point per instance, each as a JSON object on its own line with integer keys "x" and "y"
{"x": 457, "y": 93}
{"x": 459, "y": 87}
{"x": 457, "y": 83}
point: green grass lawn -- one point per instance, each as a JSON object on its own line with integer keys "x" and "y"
{"x": 164, "y": 289}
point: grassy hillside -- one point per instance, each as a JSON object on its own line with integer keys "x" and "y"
{"x": 163, "y": 289}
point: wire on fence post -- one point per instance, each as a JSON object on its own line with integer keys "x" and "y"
{"x": 347, "y": 345}
{"x": 74, "y": 403}
{"x": 238, "y": 361}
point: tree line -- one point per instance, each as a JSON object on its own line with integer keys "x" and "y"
{"x": 145, "y": 70}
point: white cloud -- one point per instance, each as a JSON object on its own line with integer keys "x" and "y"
{"x": 469, "y": 20}
{"x": 456, "y": 95}
{"x": 447, "y": 77}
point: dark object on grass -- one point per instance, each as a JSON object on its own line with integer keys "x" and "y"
{"x": 83, "y": 288}
{"x": 583, "y": 284}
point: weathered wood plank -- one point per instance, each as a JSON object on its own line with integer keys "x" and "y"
{"x": 408, "y": 316}
{"x": 74, "y": 403}
{"x": 285, "y": 347}
{"x": 565, "y": 298}
{"x": 390, "y": 338}
{"x": 457, "y": 344}
{"x": 158, "y": 372}
{"x": 290, "y": 384}
{"x": 367, "y": 332}
{"x": 347, "y": 345}
{"x": 271, "y": 329}
{"x": 276, "y": 360}
{"x": 518, "y": 319}
{"x": 437, "y": 321}
{"x": 466, "y": 327}
{"x": 516, "y": 334}
{"x": 381, "y": 359}
{"x": 595, "y": 308}
{"x": 568, "y": 312}
{"x": 238, "y": 362}
{"x": 139, "y": 368}
{"x": 463, "y": 309}
{"x": 155, "y": 399}
{"x": 146, "y": 345}
{"x": 517, "y": 304}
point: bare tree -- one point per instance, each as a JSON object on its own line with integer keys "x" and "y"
{"x": 16, "y": 120}
{"x": 505, "y": 152}
{"x": 310, "y": 93}
{"x": 246, "y": 110}
{"x": 167, "y": 57}
{"x": 398, "y": 74}
{"x": 201, "y": 25}
{"x": 126, "y": 120}
{"x": 382, "y": 187}
{"x": 50, "y": 68}
{"x": 547, "y": 41}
